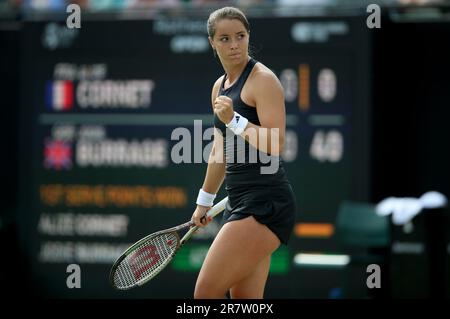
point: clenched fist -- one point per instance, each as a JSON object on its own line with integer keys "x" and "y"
{"x": 223, "y": 107}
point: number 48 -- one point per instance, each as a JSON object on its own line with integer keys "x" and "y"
{"x": 327, "y": 146}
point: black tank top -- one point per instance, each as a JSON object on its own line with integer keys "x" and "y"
{"x": 244, "y": 163}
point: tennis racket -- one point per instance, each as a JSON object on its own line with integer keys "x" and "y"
{"x": 147, "y": 257}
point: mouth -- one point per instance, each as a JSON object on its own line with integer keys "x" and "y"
{"x": 234, "y": 55}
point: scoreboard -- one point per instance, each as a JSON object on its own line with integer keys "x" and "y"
{"x": 116, "y": 131}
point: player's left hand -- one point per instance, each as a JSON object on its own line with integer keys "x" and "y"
{"x": 223, "y": 107}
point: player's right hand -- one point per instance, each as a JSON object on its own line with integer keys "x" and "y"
{"x": 199, "y": 217}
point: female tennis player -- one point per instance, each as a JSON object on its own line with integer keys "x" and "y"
{"x": 260, "y": 211}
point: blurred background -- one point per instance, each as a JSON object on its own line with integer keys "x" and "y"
{"x": 88, "y": 163}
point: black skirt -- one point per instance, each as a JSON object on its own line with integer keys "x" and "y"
{"x": 271, "y": 205}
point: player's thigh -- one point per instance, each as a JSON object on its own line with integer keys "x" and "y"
{"x": 237, "y": 249}
{"x": 252, "y": 287}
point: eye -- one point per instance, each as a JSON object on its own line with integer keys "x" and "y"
{"x": 241, "y": 36}
{"x": 224, "y": 39}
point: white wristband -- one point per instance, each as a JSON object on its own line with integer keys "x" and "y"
{"x": 205, "y": 199}
{"x": 237, "y": 124}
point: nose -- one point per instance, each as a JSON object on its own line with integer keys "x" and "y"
{"x": 234, "y": 44}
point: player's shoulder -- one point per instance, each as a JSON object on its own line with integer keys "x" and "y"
{"x": 216, "y": 85}
{"x": 216, "y": 88}
{"x": 264, "y": 77}
{"x": 262, "y": 73}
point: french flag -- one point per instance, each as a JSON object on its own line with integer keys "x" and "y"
{"x": 59, "y": 95}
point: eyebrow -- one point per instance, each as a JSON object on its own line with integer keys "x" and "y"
{"x": 225, "y": 34}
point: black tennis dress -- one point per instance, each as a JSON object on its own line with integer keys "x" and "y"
{"x": 267, "y": 196}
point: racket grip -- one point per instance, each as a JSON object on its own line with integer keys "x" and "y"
{"x": 214, "y": 211}
{"x": 218, "y": 208}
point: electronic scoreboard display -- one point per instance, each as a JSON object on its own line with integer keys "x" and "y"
{"x": 116, "y": 130}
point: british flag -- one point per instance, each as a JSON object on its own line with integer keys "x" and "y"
{"x": 57, "y": 155}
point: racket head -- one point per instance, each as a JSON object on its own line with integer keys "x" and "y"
{"x": 134, "y": 267}
{"x": 144, "y": 260}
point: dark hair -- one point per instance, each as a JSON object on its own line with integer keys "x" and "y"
{"x": 225, "y": 13}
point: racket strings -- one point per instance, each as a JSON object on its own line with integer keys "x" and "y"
{"x": 146, "y": 260}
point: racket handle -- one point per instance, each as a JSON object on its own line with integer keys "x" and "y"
{"x": 214, "y": 211}
{"x": 218, "y": 208}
